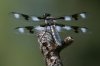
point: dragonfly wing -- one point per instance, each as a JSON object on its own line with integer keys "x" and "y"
{"x": 26, "y": 17}
{"x": 19, "y": 15}
{"x": 84, "y": 29}
{"x": 76, "y": 16}
{"x": 58, "y": 28}
{"x": 39, "y": 28}
{"x": 79, "y": 16}
{"x": 76, "y": 29}
{"x": 26, "y": 29}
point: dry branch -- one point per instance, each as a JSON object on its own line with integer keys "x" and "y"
{"x": 51, "y": 50}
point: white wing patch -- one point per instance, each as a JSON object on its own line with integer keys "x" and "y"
{"x": 17, "y": 16}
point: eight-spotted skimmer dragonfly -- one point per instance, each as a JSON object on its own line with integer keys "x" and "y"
{"x": 50, "y": 24}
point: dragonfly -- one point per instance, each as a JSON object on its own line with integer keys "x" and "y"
{"x": 50, "y": 24}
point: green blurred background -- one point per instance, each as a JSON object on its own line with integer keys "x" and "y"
{"x": 23, "y": 50}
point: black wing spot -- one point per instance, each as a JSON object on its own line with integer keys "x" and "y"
{"x": 25, "y": 16}
{"x": 30, "y": 29}
{"x": 75, "y": 29}
{"x": 75, "y": 16}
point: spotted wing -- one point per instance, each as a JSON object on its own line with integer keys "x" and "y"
{"x": 76, "y": 16}
{"x": 60, "y": 27}
{"x": 30, "y": 29}
{"x": 26, "y": 17}
{"x": 76, "y": 29}
{"x": 26, "y": 29}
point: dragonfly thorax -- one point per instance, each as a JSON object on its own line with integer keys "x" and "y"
{"x": 50, "y": 20}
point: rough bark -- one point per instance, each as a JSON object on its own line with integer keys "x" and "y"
{"x": 50, "y": 50}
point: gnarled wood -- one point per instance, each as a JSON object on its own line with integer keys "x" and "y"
{"x": 50, "y": 50}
